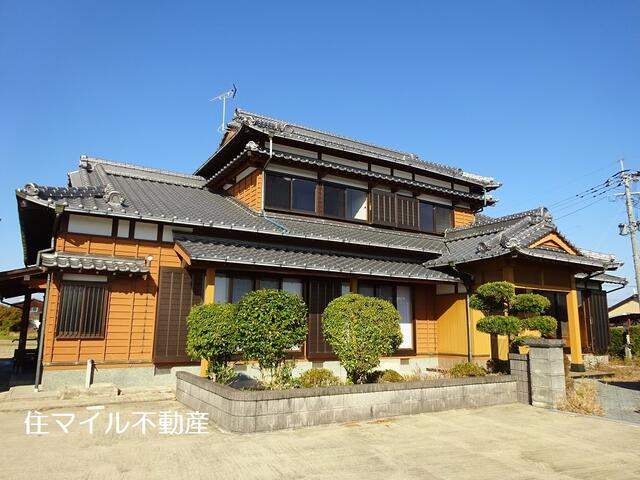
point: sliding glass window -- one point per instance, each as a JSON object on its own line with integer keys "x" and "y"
{"x": 345, "y": 202}
{"x": 435, "y": 218}
{"x": 290, "y": 193}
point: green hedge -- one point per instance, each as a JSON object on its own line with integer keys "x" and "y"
{"x": 616, "y": 344}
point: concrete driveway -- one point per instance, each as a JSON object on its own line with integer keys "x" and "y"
{"x": 505, "y": 442}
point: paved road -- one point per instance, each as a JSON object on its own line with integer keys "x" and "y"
{"x": 620, "y": 400}
{"x": 505, "y": 442}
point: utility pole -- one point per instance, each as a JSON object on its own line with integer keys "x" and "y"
{"x": 632, "y": 227}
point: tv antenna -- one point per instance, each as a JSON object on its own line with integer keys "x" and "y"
{"x": 224, "y": 96}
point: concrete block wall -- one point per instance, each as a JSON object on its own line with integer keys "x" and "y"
{"x": 255, "y": 411}
{"x": 519, "y": 365}
{"x": 539, "y": 375}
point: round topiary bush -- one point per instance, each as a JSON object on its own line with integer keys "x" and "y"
{"x": 270, "y": 323}
{"x": 530, "y": 303}
{"x": 212, "y": 335}
{"x": 360, "y": 330}
{"x": 466, "y": 370}
{"x": 500, "y": 325}
{"x": 318, "y": 377}
{"x": 390, "y": 376}
{"x": 545, "y": 324}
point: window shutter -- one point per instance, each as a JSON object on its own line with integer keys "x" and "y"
{"x": 178, "y": 291}
{"x": 408, "y": 210}
{"x": 383, "y": 208}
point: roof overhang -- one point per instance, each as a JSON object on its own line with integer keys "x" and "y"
{"x": 17, "y": 282}
{"x": 200, "y": 249}
{"x": 94, "y": 263}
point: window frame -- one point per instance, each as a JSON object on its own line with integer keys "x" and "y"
{"x": 394, "y": 302}
{"x": 434, "y": 206}
{"x": 344, "y": 189}
{"x": 80, "y": 335}
{"x": 255, "y": 281}
{"x": 291, "y": 179}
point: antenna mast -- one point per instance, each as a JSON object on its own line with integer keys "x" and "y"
{"x": 224, "y": 96}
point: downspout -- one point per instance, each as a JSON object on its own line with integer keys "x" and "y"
{"x": 59, "y": 209}
{"x": 467, "y": 280}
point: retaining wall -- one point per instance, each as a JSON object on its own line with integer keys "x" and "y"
{"x": 254, "y": 411}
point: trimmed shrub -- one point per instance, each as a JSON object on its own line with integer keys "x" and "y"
{"x": 500, "y": 325}
{"x": 634, "y": 334}
{"x": 391, "y": 376}
{"x": 493, "y": 297}
{"x": 530, "y": 303}
{"x": 495, "y": 365}
{"x": 360, "y": 330}
{"x": 466, "y": 370}
{"x": 545, "y": 324}
{"x": 318, "y": 377}
{"x": 270, "y": 323}
{"x": 616, "y": 343}
{"x": 212, "y": 335}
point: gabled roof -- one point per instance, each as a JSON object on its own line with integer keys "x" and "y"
{"x": 337, "y": 168}
{"x": 630, "y": 298}
{"x": 104, "y": 187}
{"x": 495, "y": 237}
{"x": 211, "y": 249}
{"x": 299, "y": 133}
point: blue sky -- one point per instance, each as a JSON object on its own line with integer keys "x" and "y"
{"x": 541, "y": 95}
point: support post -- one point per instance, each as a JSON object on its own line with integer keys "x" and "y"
{"x": 209, "y": 297}
{"x": 575, "y": 342}
{"x": 24, "y": 328}
{"x": 353, "y": 285}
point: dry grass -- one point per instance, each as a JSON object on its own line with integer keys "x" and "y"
{"x": 622, "y": 370}
{"x": 582, "y": 397}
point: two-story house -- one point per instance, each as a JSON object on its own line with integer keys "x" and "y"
{"x": 128, "y": 250}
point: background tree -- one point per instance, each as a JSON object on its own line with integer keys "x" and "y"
{"x": 10, "y": 318}
{"x": 360, "y": 330}
{"x": 270, "y": 324}
{"x": 212, "y": 334}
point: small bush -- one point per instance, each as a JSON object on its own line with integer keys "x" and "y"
{"x": 466, "y": 370}
{"x": 500, "y": 325}
{"x": 391, "y": 376}
{"x": 318, "y": 377}
{"x": 493, "y": 297}
{"x": 545, "y": 324}
{"x": 495, "y": 365}
{"x": 212, "y": 335}
{"x": 360, "y": 330}
{"x": 270, "y": 323}
{"x": 530, "y": 303}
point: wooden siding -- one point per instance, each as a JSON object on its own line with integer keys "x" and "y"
{"x": 462, "y": 217}
{"x": 249, "y": 190}
{"x": 130, "y": 322}
{"x": 426, "y": 324}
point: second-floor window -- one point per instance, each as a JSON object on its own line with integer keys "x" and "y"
{"x": 345, "y": 202}
{"x": 290, "y": 193}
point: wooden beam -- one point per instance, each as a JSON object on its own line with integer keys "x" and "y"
{"x": 209, "y": 298}
{"x": 182, "y": 254}
{"x": 575, "y": 341}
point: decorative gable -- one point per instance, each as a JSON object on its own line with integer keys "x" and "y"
{"x": 554, "y": 241}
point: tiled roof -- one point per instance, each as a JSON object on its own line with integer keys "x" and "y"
{"x": 102, "y": 187}
{"x": 323, "y": 229}
{"x": 97, "y": 263}
{"x": 291, "y": 131}
{"x": 211, "y": 249}
{"x": 494, "y": 237}
{"x": 339, "y": 168}
{"x": 604, "y": 278}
